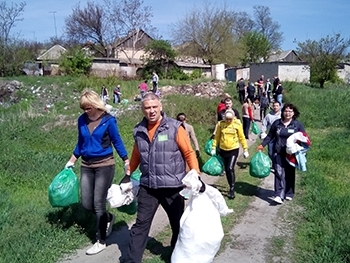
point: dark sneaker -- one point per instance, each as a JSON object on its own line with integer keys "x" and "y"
{"x": 110, "y": 225}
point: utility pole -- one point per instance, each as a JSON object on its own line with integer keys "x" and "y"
{"x": 54, "y": 20}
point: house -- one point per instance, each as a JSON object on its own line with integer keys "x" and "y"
{"x": 188, "y": 67}
{"x": 287, "y": 65}
{"x": 130, "y": 49}
{"x": 284, "y": 56}
{"x": 49, "y": 60}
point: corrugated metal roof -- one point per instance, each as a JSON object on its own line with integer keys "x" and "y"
{"x": 191, "y": 65}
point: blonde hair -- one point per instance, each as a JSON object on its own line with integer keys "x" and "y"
{"x": 91, "y": 98}
{"x": 229, "y": 112}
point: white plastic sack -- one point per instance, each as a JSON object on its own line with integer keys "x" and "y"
{"x": 123, "y": 194}
{"x": 200, "y": 226}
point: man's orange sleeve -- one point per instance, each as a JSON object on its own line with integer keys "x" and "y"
{"x": 185, "y": 147}
{"x": 134, "y": 160}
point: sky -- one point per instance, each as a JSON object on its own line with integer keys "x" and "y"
{"x": 300, "y": 20}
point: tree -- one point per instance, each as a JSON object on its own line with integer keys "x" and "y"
{"x": 208, "y": 34}
{"x": 75, "y": 62}
{"x": 257, "y": 47}
{"x": 323, "y": 56}
{"x": 243, "y": 24}
{"x": 132, "y": 19}
{"x": 105, "y": 24}
{"x": 266, "y": 26}
{"x": 160, "y": 53}
{"x": 9, "y": 15}
{"x": 11, "y": 53}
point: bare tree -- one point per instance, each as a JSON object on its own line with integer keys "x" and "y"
{"x": 130, "y": 19}
{"x": 243, "y": 24}
{"x": 265, "y": 25}
{"x": 9, "y": 15}
{"x": 207, "y": 33}
{"x": 90, "y": 24}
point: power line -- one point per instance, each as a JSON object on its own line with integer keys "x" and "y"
{"x": 54, "y": 20}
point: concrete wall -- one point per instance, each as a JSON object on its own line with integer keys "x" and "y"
{"x": 242, "y": 73}
{"x": 127, "y": 53}
{"x": 344, "y": 73}
{"x": 286, "y": 71}
{"x": 297, "y": 73}
{"x": 105, "y": 68}
{"x": 267, "y": 69}
{"x": 206, "y": 72}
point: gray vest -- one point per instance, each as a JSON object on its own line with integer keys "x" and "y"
{"x": 161, "y": 161}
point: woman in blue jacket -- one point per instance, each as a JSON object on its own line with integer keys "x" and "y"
{"x": 97, "y": 132}
{"x": 280, "y": 130}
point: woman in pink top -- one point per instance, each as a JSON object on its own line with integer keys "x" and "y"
{"x": 143, "y": 88}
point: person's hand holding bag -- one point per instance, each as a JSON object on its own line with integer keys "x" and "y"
{"x": 69, "y": 164}
{"x": 245, "y": 154}
{"x": 260, "y": 148}
{"x": 213, "y": 152}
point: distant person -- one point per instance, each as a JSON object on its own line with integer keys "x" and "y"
{"x": 241, "y": 89}
{"x": 104, "y": 94}
{"x": 251, "y": 92}
{"x": 267, "y": 122}
{"x": 155, "y": 80}
{"x": 276, "y": 80}
{"x": 228, "y": 106}
{"x": 264, "y": 105}
{"x": 280, "y": 131}
{"x": 116, "y": 94}
{"x": 143, "y": 88}
{"x": 190, "y": 131}
{"x": 97, "y": 132}
{"x": 278, "y": 95}
{"x": 228, "y": 137}
{"x": 247, "y": 117}
{"x": 268, "y": 89}
{"x": 260, "y": 86}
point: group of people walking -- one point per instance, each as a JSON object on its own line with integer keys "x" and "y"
{"x": 158, "y": 139}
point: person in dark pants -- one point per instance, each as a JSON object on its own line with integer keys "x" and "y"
{"x": 161, "y": 151}
{"x": 241, "y": 89}
{"x": 280, "y": 131}
{"x": 227, "y": 137}
{"x": 251, "y": 91}
{"x": 97, "y": 132}
{"x": 247, "y": 116}
{"x": 264, "y": 105}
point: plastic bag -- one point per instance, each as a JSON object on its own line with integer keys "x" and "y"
{"x": 64, "y": 189}
{"x": 255, "y": 128}
{"x": 214, "y": 166}
{"x": 130, "y": 209}
{"x": 136, "y": 175}
{"x": 260, "y": 165}
{"x": 208, "y": 146}
{"x": 196, "y": 241}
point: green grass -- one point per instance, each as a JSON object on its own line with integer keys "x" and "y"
{"x": 36, "y": 142}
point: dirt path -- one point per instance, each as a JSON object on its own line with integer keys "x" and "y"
{"x": 251, "y": 236}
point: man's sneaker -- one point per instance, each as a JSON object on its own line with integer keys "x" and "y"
{"x": 289, "y": 198}
{"x": 278, "y": 200}
{"x": 96, "y": 248}
{"x": 110, "y": 225}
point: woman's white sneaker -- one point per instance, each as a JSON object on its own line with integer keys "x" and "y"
{"x": 96, "y": 248}
{"x": 289, "y": 198}
{"x": 278, "y": 200}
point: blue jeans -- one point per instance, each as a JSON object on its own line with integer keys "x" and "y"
{"x": 94, "y": 184}
{"x": 279, "y": 98}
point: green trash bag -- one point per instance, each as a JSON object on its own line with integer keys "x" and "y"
{"x": 255, "y": 128}
{"x": 214, "y": 166}
{"x": 130, "y": 209}
{"x": 207, "y": 147}
{"x": 136, "y": 175}
{"x": 64, "y": 189}
{"x": 260, "y": 165}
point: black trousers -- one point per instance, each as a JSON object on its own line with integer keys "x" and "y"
{"x": 241, "y": 95}
{"x": 230, "y": 159}
{"x": 148, "y": 201}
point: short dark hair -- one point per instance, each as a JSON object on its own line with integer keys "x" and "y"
{"x": 180, "y": 114}
{"x": 276, "y": 101}
{"x": 292, "y": 107}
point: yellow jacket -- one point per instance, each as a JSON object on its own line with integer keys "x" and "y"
{"x": 228, "y": 135}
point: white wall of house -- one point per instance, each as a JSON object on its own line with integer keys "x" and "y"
{"x": 105, "y": 69}
{"x": 297, "y": 73}
{"x": 127, "y": 53}
{"x": 344, "y": 73}
{"x": 242, "y": 73}
{"x": 286, "y": 71}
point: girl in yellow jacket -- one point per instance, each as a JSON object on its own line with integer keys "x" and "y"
{"x": 228, "y": 136}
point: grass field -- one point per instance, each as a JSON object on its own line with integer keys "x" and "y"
{"x": 37, "y": 141}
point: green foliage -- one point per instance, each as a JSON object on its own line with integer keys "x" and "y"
{"x": 75, "y": 62}
{"x": 178, "y": 74}
{"x": 257, "y": 47}
{"x": 323, "y": 56}
{"x": 160, "y": 50}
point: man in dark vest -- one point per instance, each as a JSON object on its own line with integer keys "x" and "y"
{"x": 161, "y": 150}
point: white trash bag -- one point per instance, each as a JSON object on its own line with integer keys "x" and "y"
{"x": 200, "y": 226}
{"x": 123, "y": 194}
